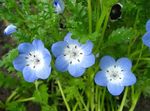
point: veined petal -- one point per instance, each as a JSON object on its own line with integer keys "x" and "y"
{"x": 38, "y": 44}
{"x": 106, "y": 62}
{"x": 58, "y": 48}
{"x": 115, "y": 89}
{"x": 20, "y": 62}
{"x": 124, "y": 63}
{"x": 100, "y": 78}
{"x": 129, "y": 79}
{"x": 148, "y": 26}
{"x": 87, "y": 48}
{"x": 44, "y": 72}
{"x": 146, "y": 39}
{"x": 29, "y": 74}
{"x": 25, "y": 48}
{"x": 88, "y": 61}
{"x": 61, "y": 64}
{"x": 76, "y": 70}
{"x": 69, "y": 40}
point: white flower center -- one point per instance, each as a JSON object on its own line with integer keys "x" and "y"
{"x": 34, "y": 60}
{"x": 114, "y": 74}
{"x": 73, "y": 54}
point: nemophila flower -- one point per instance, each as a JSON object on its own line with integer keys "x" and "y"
{"x": 33, "y": 61}
{"x": 59, "y": 6}
{"x": 10, "y": 29}
{"x": 115, "y": 74}
{"x": 73, "y": 56}
{"x": 146, "y": 37}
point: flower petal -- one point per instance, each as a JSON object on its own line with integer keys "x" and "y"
{"x": 38, "y": 44}
{"x": 88, "y": 61}
{"x": 61, "y": 64}
{"x": 100, "y": 78}
{"x": 46, "y": 56}
{"x": 87, "y": 48}
{"x": 146, "y": 39}
{"x": 20, "y": 62}
{"x": 10, "y": 29}
{"x": 69, "y": 40}
{"x": 58, "y": 48}
{"x": 129, "y": 79}
{"x": 106, "y": 61}
{"x": 29, "y": 74}
{"x": 115, "y": 89}
{"x": 25, "y": 48}
{"x": 76, "y": 70}
{"x": 44, "y": 72}
{"x": 148, "y": 25}
{"x": 124, "y": 63}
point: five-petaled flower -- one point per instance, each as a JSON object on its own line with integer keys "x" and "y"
{"x": 115, "y": 74}
{"x": 146, "y": 37}
{"x": 73, "y": 56}
{"x": 33, "y": 61}
{"x": 10, "y": 29}
{"x": 59, "y": 6}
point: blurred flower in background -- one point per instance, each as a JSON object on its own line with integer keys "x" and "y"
{"x": 10, "y": 29}
{"x": 73, "y": 56}
{"x": 146, "y": 37}
{"x": 33, "y": 61}
{"x": 115, "y": 74}
{"x": 59, "y": 6}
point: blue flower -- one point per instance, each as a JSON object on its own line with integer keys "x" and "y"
{"x": 146, "y": 37}
{"x": 33, "y": 61}
{"x": 59, "y": 6}
{"x": 115, "y": 74}
{"x": 10, "y": 29}
{"x": 73, "y": 56}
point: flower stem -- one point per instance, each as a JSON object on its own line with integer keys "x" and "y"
{"x": 26, "y": 99}
{"x": 123, "y": 100}
{"x": 90, "y": 16}
{"x": 62, "y": 93}
{"x": 12, "y": 95}
{"x": 102, "y": 101}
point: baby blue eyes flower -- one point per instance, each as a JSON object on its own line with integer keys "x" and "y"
{"x": 59, "y": 6}
{"x": 10, "y": 29}
{"x": 33, "y": 61}
{"x": 73, "y": 56}
{"x": 115, "y": 74}
{"x": 146, "y": 37}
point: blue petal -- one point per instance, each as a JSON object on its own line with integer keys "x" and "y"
{"x": 61, "y": 64}
{"x": 43, "y": 72}
{"x": 100, "y": 78}
{"x": 76, "y": 70}
{"x": 148, "y": 26}
{"x": 129, "y": 79}
{"x": 58, "y": 48}
{"x": 29, "y": 74}
{"x": 20, "y": 62}
{"x": 106, "y": 62}
{"x": 69, "y": 40}
{"x": 59, "y": 6}
{"x": 10, "y": 29}
{"x": 115, "y": 89}
{"x": 146, "y": 39}
{"x": 25, "y": 48}
{"x": 87, "y": 47}
{"x": 88, "y": 61}
{"x": 46, "y": 55}
{"x": 124, "y": 63}
{"x": 38, "y": 44}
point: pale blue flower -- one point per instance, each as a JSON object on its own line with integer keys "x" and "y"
{"x": 10, "y": 29}
{"x": 73, "y": 56}
{"x": 146, "y": 37}
{"x": 59, "y": 6}
{"x": 33, "y": 61}
{"x": 115, "y": 74}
